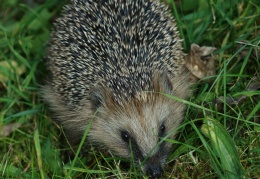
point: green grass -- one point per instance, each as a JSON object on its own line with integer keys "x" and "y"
{"x": 219, "y": 138}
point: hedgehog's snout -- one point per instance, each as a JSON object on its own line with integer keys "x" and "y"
{"x": 154, "y": 170}
{"x": 154, "y": 166}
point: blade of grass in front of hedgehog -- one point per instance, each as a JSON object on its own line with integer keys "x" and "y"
{"x": 78, "y": 150}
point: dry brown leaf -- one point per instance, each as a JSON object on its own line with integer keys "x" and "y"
{"x": 18, "y": 69}
{"x": 200, "y": 61}
{"x": 8, "y": 129}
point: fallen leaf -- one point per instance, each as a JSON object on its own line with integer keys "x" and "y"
{"x": 9, "y": 65}
{"x": 8, "y": 129}
{"x": 200, "y": 61}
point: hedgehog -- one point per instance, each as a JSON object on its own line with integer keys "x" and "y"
{"x": 110, "y": 64}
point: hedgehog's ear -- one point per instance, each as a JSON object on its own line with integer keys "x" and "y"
{"x": 100, "y": 95}
{"x": 167, "y": 84}
{"x": 162, "y": 83}
{"x": 97, "y": 97}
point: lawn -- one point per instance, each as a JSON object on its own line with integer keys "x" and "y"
{"x": 220, "y": 135}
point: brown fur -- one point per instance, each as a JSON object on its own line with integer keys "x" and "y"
{"x": 141, "y": 116}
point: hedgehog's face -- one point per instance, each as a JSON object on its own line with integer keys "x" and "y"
{"x": 135, "y": 130}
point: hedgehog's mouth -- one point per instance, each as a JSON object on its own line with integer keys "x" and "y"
{"x": 150, "y": 163}
{"x": 154, "y": 166}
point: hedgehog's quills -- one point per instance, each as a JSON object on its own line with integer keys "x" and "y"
{"x": 114, "y": 56}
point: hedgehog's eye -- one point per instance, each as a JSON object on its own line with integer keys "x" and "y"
{"x": 161, "y": 130}
{"x": 125, "y": 136}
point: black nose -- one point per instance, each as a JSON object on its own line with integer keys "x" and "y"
{"x": 154, "y": 171}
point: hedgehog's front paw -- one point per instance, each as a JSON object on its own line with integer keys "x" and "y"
{"x": 200, "y": 61}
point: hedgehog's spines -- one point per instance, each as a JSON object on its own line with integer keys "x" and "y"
{"x": 117, "y": 46}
